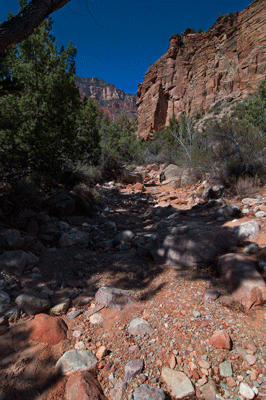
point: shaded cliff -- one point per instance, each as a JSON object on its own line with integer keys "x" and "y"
{"x": 113, "y": 100}
{"x": 205, "y": 71}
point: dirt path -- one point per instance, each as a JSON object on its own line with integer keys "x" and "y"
{"x": 170, "y": 299}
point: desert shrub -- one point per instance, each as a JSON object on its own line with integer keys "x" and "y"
{"x": 236, "y": 149}
{"x": 253, "y": 109}
{"x": 118, "y": 138}
{"x": 247, "y": 186}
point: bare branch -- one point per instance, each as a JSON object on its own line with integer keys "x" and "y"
{"x": 22, "y": 25}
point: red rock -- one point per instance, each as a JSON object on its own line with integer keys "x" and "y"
{"x": 138, "y": 186}
{"x": 195, "y": 374}
{"x": 193, "y": 74}
{"x": 46, "y": 329}
{"x": 220, "y": 340}
{"x": 230, "y": 381}
{"x": 83, "y": 386}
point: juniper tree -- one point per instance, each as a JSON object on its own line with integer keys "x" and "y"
{"x": 39, "y": 122}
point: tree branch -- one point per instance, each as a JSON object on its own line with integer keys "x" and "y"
{"x": 22, "y": 25}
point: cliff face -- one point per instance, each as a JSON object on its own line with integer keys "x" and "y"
{"x": 113, "y": 100}
{"x": 204, "y": 71}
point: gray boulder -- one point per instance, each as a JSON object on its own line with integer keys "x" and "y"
{"x": 13, "y": 261}
{"x": 191, "y": 247}
{"x": 247, "y": 230}
{"x": 33, "y": 302}
{"x": 114, "y": 298}
{"x": 242, "y": 279}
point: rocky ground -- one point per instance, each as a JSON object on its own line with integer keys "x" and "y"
{"x": 159, "y": 294}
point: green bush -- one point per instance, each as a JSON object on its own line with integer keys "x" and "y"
{"x": 43, "y": 122}
{"x": 119, "y": 138}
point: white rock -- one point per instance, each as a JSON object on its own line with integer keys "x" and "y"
{"x": 96, "y": 318}
{"x": 246, "y": 391}
{"x": 179, "y": 384}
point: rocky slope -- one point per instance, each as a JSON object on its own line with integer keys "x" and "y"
{"x": 113, "y": 100}
{"x": 125, "y": 295}
{"x": 203, "y": 72}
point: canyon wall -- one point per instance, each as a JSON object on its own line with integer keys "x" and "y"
{"x": 207, "y": 71}
{"x": 111, "y": 99}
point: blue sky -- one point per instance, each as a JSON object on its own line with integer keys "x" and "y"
{"x": 128, "y": 36}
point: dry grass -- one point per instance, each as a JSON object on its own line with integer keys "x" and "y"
{"x": 247, "y": 186}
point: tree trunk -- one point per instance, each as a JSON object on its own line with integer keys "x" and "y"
{"x": 22, "y": 25}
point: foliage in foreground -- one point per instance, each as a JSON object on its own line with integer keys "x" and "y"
{"x": 43, "y": 122}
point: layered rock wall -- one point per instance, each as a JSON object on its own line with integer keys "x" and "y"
{"x": 113, "y": 100}
{"x": 205, "y": 71}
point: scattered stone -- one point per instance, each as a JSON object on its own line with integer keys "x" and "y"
{"x": 123, "y": 237}
{"x": 119, "y": 391}
{"x": 93, "y": 310}
{"x": 196, "y": 314}
{"x": 32, "y": 260}
{"x": 61, "y": 308}
{"x": 246, "y": 391}
{"x": 247, "y": 230}
{"x": 209, "y": 391}
{"x": 96, "y": 319}
{"x": 147, "y": 392}
{"x": 101, "y": 352}
{"x": 225, "y": 368}
{"x": 83, "y": 300}
{"x": 76, "y": 360}
{"x": 83, "y": 386}
{"x": 242, "y": 280}
{"x": 114, "y": 298}
{"x": 221, "y": 340}
{"x": 172, "y": 362}
{"x": 204, "y": 364}
{"x": 73, "y": 314}
{"x": 179, "y": 384}
{"x": 250, "y": 202}
{"x": 230, "y": 381}
{"x": 251, "y": 248}
{"x": 133, "y": 368}
{"x": 80, "y": 345}
{"x": 46, "y": 329}
{"x": 139, "y": 326}
{"x": 4, "y": 300}
{"x": 215, "y": 192}
{"x": 74, "y": 236}
{"x": 14, "y": 261}
{"x": 260, "y": 214}
{"x": 211, "y": 295}
{"x": 33, "y": 302}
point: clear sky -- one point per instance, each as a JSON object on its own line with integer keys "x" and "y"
{"x": 121, "y": 39}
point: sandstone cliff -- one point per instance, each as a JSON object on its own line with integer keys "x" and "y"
{"x": 113, "y": 100}
{"x": 205, "y": 71}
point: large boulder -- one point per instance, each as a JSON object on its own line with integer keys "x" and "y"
{"x": 171, "y": 173}
{"x": 114, "y": 298}
{"x": 13, "y": 261}
{"x": 242, "y": 279}
{"x": 191, "y": 247}
{"x": 33, "y": 302}
{"x": 46, "y": 329}
{"x": 128, "y": 177}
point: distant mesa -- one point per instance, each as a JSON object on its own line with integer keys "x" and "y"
{"x": 111, "y": 99}
{"x": 205, "y": 72}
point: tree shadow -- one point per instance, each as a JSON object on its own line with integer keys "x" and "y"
{"x": 190, "y": 241}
